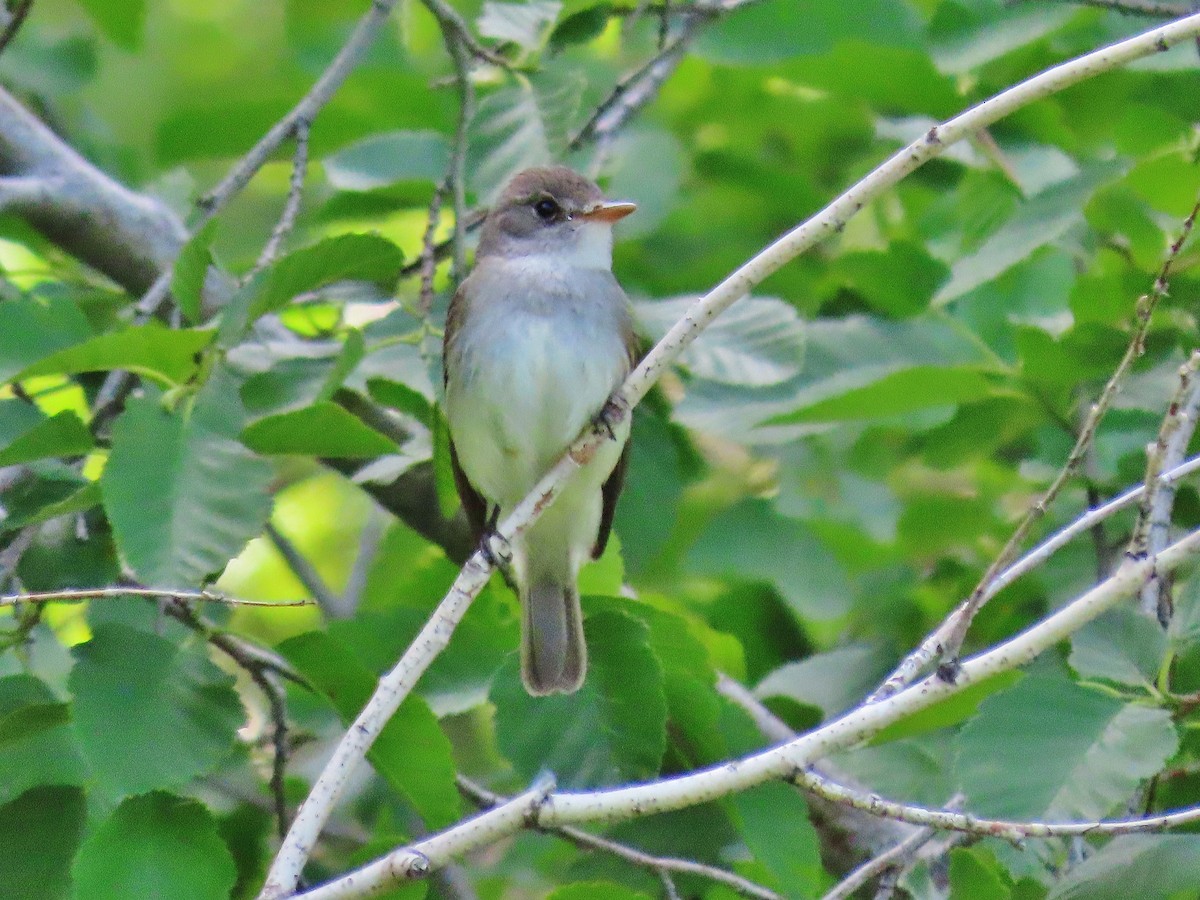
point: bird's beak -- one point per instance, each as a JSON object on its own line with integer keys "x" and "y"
{"x": 609, "y": 211}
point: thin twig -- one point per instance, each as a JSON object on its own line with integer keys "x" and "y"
{"x": 946, "y": 641}
{"x": 659, "y": 864}
{"x": 892, "y": 858}
{"x": 453, "y": 24}
{"x": 291, "y": 205}
{"x": 396, "y": 684}
{"x": 303, "y": 569}
{"x": 78, "y": 595}
{"x": 15, "y": 18}
{"x": 456, "y": 177}
{"x": 1153, "y": 529}
{"x": 428, "y": 259}
{"x": 246, "y": 654}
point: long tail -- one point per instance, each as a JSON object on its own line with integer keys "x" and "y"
{"x": 553, "y": 652}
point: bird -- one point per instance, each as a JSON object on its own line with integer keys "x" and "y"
{"x": 538, "y": 336}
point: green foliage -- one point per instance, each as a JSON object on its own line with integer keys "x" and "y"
{"x": 826, "y": 472}
{"x": 156, "y": 845}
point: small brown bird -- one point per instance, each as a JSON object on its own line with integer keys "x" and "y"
{"x": 538, "y": 337}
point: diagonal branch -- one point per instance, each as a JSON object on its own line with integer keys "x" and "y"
{"x": 433, "y": 638}
{"x": 790, "y": 761}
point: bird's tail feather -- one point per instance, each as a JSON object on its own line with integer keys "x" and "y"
{"x": 553, "y": 652}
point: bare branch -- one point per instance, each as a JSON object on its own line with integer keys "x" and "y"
{"x": 291, "y": 205}
{"x": 394, "y": 686}
{"x": 947, "y": 640}
{"x": 112, "y": 593}
{"x": 127, "y": 236}
{"x": 657, "y": 864}
{"x": 896, "y": 857}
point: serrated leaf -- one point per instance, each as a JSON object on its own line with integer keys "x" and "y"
{"x": 522, "y": 125}
{"x": 36, "y": 747}
{"x": 1049, "y": 748}
{"x": 323, "y": 429}
{"x": 385, "y": 159}
{"x": 524, "y": 24}
{"x": 40, "y": 832}
{"x": 167, "y": 355}
{"x": 60, "y": 435}
{"x": 613, "y": 729}
{"x": 32, "y": 329}
{"x": 1146, "y": 866}
{"x": 158, "y": 845}
{"x": 183, "y": 494}
{"x": 758, "y": 341}
{"x": 411, "y": 753}
{"x": 1122, "y": 646}
{"x": 1041, "y": 221}
{"x": 149, "y": 714}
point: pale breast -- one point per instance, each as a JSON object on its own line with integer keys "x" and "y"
{"x": 533, "y": 366}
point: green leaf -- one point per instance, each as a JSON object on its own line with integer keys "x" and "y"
{"x": 191, "y": 269}
{"x": 1122, "y": 646}
{"x": 581, "y": 27}
{"x": 1146, "y": 866}
{"x": 1049, "y": 748}
{"x": 345, "y": 257}
{"x": 121, "y": 21}
{"x": 752, "y": 541}
{"x": 595, "y": 890}
{"x": 31, "y": 330}
{"x": 832, "y": 681}
{"x": 149, "y": 714}
{"x": 183, "y": 495}
{"x": 164, "y": 354}
{"x": 324, "y": 429}
{"x": 770, "y": 32}
{"x": 1042, "y": 221}
{"x": 60, "y": 435}
{"x": 773, "y": 820}
{"x": 385, "y": 159}
{"x": 40, "y": 832}
{"x": 411, "y": 753}
{"x": 756, "y": 342}
{"x": 975, "y": 873}
{"x": 157, "y": 845}
{"x": 612, "y": 730}
{"x": 524, "y": 24}
{"x": 893, "y": 394}
{"x": 36, "y": 746}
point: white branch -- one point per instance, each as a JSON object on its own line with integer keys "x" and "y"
{"x": 396, "y": 684}
{"x": 789, "y": 761}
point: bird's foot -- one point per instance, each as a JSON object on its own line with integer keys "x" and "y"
{"x": 613, "y": 413}
{"x": 494, "y": 546}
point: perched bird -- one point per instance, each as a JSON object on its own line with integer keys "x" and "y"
{"x": 538, "y": 337}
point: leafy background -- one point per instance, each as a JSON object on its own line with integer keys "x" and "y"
{"x": 829, "y": 470}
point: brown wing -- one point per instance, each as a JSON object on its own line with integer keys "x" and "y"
{"x": 473, "y": 503}
{"x": 474, "y": 506}
{"x": 610, "y": 492}
{"x": 616, "y": 481}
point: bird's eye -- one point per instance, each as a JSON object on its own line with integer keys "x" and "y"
{"x": 547, "y": 209}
